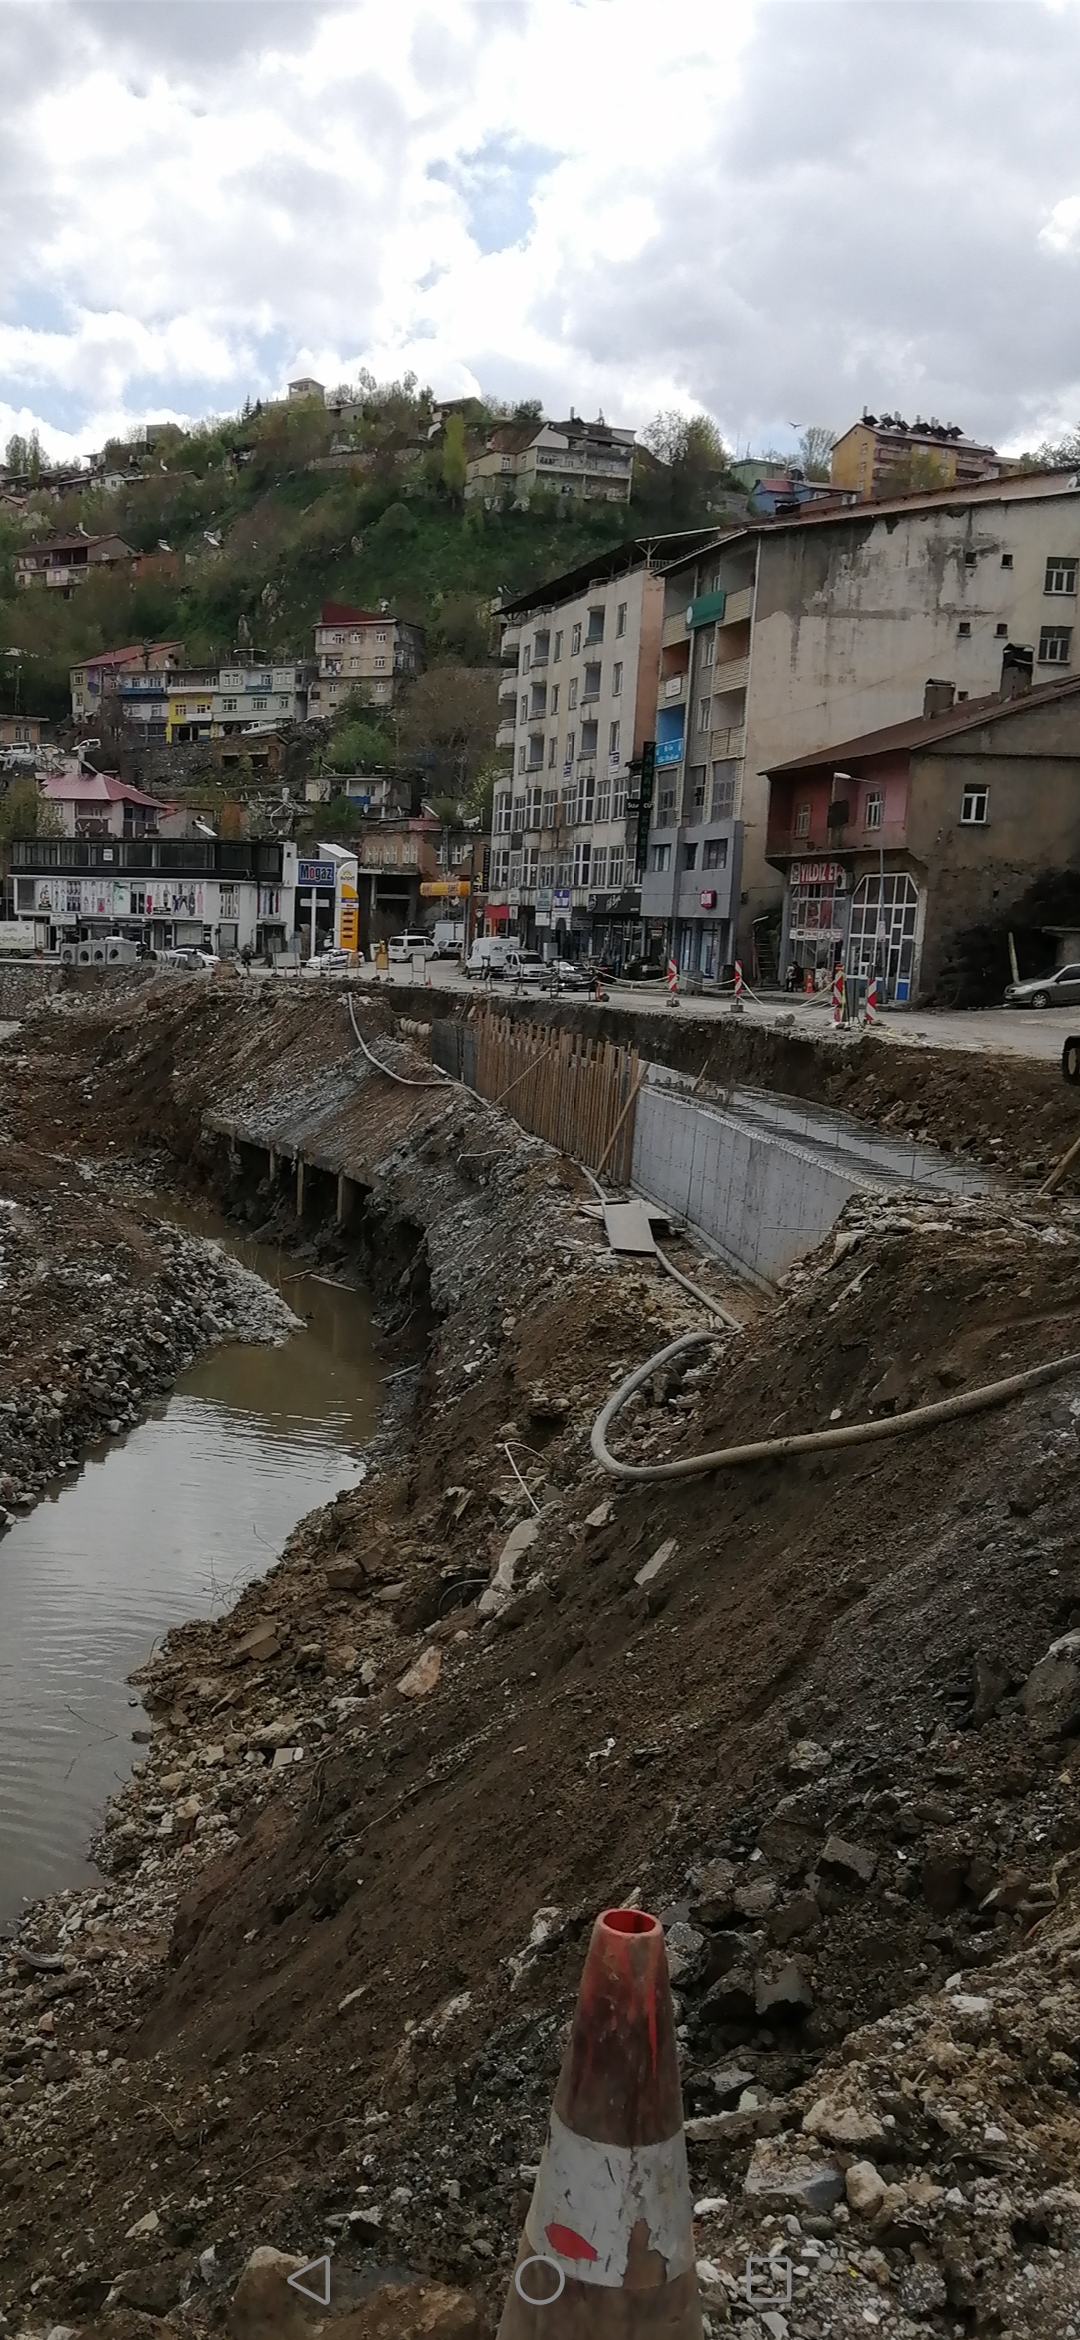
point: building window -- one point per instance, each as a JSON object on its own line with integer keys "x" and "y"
{"x": 613, "y": 742}
{"x": 553, "y": 750}
{"x": 723, "y": 792}
{"x": 660, "y": 858}
{"x": 599, "y": 866}
{"x": 526, "y": 660}
{"x": 616, "y": 859}
{"x": 616, "y": 679}
{"x": 502, "y": 816}
{"x": 715, "y": 853}
{"x": 521, "y": 759}
{"x": 1001, "y": 632}
{"x": 582, "y": 855}
{"x": 1055, "y": 643}
{"x": 557, "y": 652}
{"x": 571, "y": 692}
{"x": 874, "y": 809}
{"x": 704, "y": 713}
{"x": 1006, "y": 560}
{"x": 620, "y": 618}
{"x": 575, "y": 640}
{"x": 524, "y": 708}
{"x": 379, "y": 663}
{"x": 548, "y": 808}
{"x": 708, "y": 650}
{"x": 588, "y": 739}
{"x": 571, "y": 743}
{"x": 536, "y": 750}
{"x": 554, "y": 698}
{"x": 1060, "y": 575}
{"x": 603, "y": 801}
{"x": 596, "y": 626}
{"x": 591, "y": 685}
{"x": 973, "y": 806}
{"x": 689, "y": 856}
{"x": 697, "y": 783}
{"x": 228, "y": 706}
{"x": 665, "y": 809}
{"x": 963, "y": 630}
{"x": 802, "y": 821}
{"x": 618, "y": 801}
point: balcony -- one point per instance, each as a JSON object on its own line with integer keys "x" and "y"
{"x": 508, "y": 686}
{"x": 510, "y": 645}
{"x": 738, "y": 607}
{"x": 731, "y": 674}
{"x": 730, "y": 740}
{"x": 504, "y": 737}
{"x": 674, "y": 632}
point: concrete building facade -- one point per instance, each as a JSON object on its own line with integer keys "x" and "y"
{"x": 936, "y": 454}
{"x": 591, "y": 462}
{"x": 897, "y": 845}
{"x": 829, "y": 624}
{"x": 582, "y": 654}
{"x": 164, "y": 892}
{"x": 362, "y": 653}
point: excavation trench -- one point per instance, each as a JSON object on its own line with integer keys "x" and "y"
{"x": 166, "y": 1523}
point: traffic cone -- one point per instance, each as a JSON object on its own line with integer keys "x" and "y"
{"x": 607, "y": 2251}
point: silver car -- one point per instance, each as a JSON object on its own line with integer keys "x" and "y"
{"x": 1062, "y": 989}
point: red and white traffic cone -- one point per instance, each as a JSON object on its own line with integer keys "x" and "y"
{"x": 738, "y": 999}
{"x": 607, "y": 2251}
{"x": 871, "y": 1000}
{"x": 672, "y": 979}
{"x": 838, "y": 994}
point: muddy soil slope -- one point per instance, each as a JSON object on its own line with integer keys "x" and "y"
{"x": 321, "y": 1994}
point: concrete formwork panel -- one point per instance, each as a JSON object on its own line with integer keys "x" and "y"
{"x": 760, "y": 1200}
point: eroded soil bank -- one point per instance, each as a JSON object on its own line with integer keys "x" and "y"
{"x": 320, "y": 2000}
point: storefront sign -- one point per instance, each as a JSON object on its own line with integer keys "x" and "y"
{"x": 560, "y": 898}
{"x": 820, "y": 873}
{"x": 315, "y": 873}
{"x": 543, "y": 901}
{"x": 708, "y": 901}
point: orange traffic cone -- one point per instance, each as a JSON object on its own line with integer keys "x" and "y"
{"x": 608, "y": 2250}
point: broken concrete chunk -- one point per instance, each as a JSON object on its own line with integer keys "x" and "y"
{"x": 852, "y": 1860}
{"x": 422, "y": 1677}
{"x": 600, "y": 1516}
{"x": 263, "y": 2307}
{"x": 805, "y": 1760}
{"x": 261, "y": 1643}
{"x": 798, "y": 1916}
{"x": 1051, "y": 1695}
{"x": 754, "y": 1899}
{"x": 780, "y": 2179}
{"x": 787, "y": 1993}
{"x": 520, "y": 1540}
{"x": 850, "y": 2126}
{"x": 344, "y": 1575}
{"x": 663, "y": 1553}
{"x": 712, "y": 1889}
{"x": 864, "y": 2188}
{"x": 736, "y": 2127}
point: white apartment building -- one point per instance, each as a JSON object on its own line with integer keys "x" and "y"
{"x": 789, "y": 633}
{"x": 579, "y": 698}
{"x": 591, "y": 462}
{"x": 364, "y": 653}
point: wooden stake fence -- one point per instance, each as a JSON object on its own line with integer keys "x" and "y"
{"x": 577, "y": 1093}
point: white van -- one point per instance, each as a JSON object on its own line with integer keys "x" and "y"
{"x": 406, "y": 947}
{"x": 488, "y": 955}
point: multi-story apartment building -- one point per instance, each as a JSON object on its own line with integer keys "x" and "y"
{"x": 579, "y": 696}
{"x": 825, "y": 625}
{"x": 94, "y": 678}
{"x": 589, "y": 461}
{"x": 936, "y": 454}
{"x": 218, "y": 894}
{"x": 65, "y": 562}
{"x": 364, "y": 654}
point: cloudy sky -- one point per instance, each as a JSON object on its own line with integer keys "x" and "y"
{"x": 779, "y": 212}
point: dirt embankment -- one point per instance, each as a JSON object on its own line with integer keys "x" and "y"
{"x": 320, "y": 1997}
{"x": 1008, "y": 1112}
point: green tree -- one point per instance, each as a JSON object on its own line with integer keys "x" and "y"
{"x": 447, "y": 724}
{"x": 453, "y": 455}
{"x": 697, "y": 464}
{"x": 24, "y": 812}
{"x": 816, "y": 444}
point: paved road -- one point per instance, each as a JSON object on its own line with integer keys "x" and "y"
{"x": 1012, "y": 1031}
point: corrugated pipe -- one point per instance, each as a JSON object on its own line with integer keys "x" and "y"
{"x": 723, "y": 1458}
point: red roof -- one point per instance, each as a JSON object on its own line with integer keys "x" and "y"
{"x": 338, "y": 613}
{"x": 133, "y": 653}
{"x": 94, "y": 788}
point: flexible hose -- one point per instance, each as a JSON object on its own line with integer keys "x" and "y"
{"x": 402, "y": 1083}
{"x": 715, "y": 1308}
{"x": 970, "y": 1401}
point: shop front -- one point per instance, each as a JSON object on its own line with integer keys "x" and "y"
{"x": 816, "y": 922}
{"x": 616, "y": 932}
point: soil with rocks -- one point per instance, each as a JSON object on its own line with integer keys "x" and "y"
{"x": 823, "y": 1715}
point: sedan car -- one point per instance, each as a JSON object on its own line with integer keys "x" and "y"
{"x": 1061, "y": 989}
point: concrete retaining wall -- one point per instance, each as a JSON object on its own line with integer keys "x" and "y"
{"x": 759, "y": 1200}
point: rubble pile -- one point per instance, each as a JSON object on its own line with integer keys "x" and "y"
{"x": 823, "y": 1717}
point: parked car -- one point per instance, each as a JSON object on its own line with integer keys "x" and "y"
{"x": 188, "y": 957}
{"x": 448, "y": 940}
{"x": 487, "y": 956}
{"x": 329, "y": 962}
{"x": 526, "y": 967}
{"x": 572, "y": 974}
{"x": 642, "y": 971}
{"x": 406, "y": 947}
{"x": 1060, "y": 989}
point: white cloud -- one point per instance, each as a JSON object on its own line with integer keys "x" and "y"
{"x": 777, "y": 211}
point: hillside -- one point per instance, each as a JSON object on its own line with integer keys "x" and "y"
{"x": 386, "y": 522}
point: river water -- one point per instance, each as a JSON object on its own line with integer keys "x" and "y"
{"x": 163, "y": 1524}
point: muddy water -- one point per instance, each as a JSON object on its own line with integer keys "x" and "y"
{"x": 166, "y": 1523}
